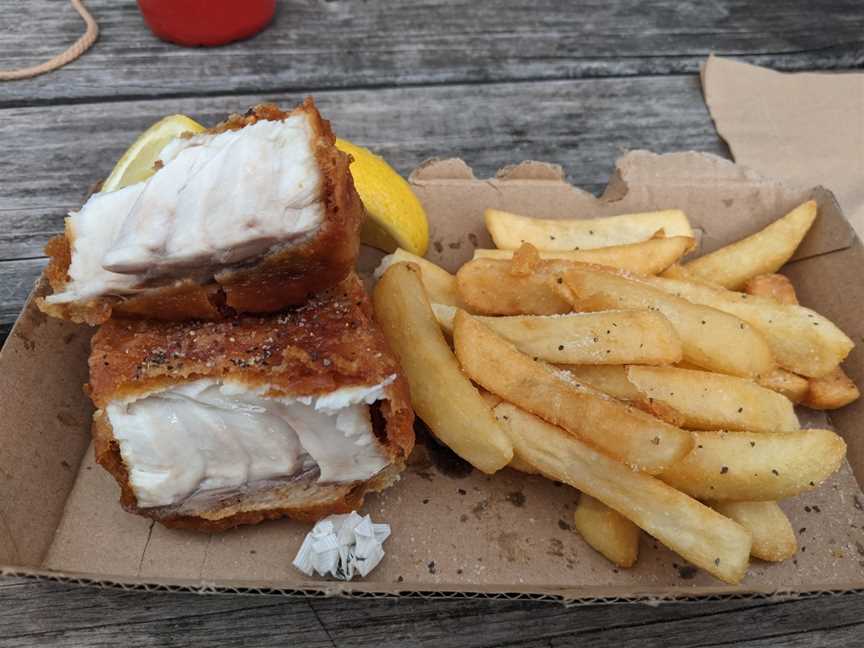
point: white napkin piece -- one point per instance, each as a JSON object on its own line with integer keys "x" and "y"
{"x": 342, "y": 546}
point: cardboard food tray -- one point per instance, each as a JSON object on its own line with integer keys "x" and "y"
{"x": 454, "y": 534}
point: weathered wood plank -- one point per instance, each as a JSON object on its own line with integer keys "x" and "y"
{"x": 506, "y": 624}
{"x": 54, "y": 154}
{"x": 23, "y": 232}
{"x": 16, "y": 282}
{"x": 316, "y": 44}
{"x": 847, "y": 636}
{"x": 92, "y": 619}
{"x": 38, "y": 605}
{"x": 51, "y": 614}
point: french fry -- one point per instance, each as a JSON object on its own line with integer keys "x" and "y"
{"x": 441, "y": 394}
{"x": 607, "y": 531}
{"x": 711, "y": 401}
{"x": 522, "y": 466}
{"x": 801, "y": 340}
{"x": 646, "y": 257}
{"x": 774, "y": 286}
{"x": 603, "y": 338}
{"x": 491, "y": 399}
{"x": 625, "y": 433}
{"x": 525, "y": 260}
{"x": 710, "y": 338}
{"x": 445, "y": 315}
{"x": 509, "y": 231}
{"x": 791, "y": 385}
{"x": 763, "y": 252}
{"x": 831, "y": 391}
{"x": 773, "y": 537}
{"x": 677, "y": 271}
{"x": 612, "y": 380}
{"x": 487, "y": 287}
{"x": 699, "y": 534}
{"x": 440, "y": 285}
{"x": 756, "y": 466}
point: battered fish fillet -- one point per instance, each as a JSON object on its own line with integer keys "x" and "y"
{"x": 210, "y": 425}
{"x": 251, "y": 216}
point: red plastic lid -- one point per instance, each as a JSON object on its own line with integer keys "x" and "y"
{"x": 206, "y": 22}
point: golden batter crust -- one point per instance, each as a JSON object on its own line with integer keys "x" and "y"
{"x": 276, "y": 281}
{"x": 327, "y": 343}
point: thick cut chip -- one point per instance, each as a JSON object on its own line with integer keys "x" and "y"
{"x": 831, "y": 391}
{"x": 523, "y": 466}
{"x": 710, "y": 338}
{"x": 756, "y": 466}
{"x": 487, "y": 287}
{"x": 440, "y": 285}
{"x": 510, "y": 231}
{"x": 646, "y": 257}
{"x": 628, "y": 434}
{"x": 607, "y": 531}
{"x": 791, "y": 385}
{"x": 773, "y": 536}
{"x": 441, "y": 394}
{"x": 801, "y": 340}
{"x": 763, "y": 252}
{"x": 699, "y": 534}
{"x": 712, "y": 401}
{"x": 603, "y": 338}
{"x": 775, "y": 286}
{"x": 445, "y": 315}
{"x": 612, "y": 380}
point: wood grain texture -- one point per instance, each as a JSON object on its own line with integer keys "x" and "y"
{"x": 315, "y": 44}
{"x": 16, "y": 282}
{"x": 54, "y": 154}
{"x": 51, "y": 614}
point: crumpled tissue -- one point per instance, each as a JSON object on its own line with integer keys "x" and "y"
{"x": 342, "y": 546}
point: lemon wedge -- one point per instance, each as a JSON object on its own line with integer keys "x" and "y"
{"x": 396, "y": 217}
{"x": 138, "y": 160}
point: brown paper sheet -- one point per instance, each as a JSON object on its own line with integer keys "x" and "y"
{"x": 505, "y": 534}
{"x": 805, "y": 128}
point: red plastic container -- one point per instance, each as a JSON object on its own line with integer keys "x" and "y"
{"x": 206, "y": 22}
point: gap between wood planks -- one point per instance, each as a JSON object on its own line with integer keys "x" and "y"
{"x": 854, "y": 59}
{"x": 312, "y": 44}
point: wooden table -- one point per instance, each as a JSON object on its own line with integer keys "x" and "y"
{"x": 493, "y": 83}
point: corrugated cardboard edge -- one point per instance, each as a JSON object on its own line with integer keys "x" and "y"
{"x": 333, "y": 589}
{"x": 454, "y": 170}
